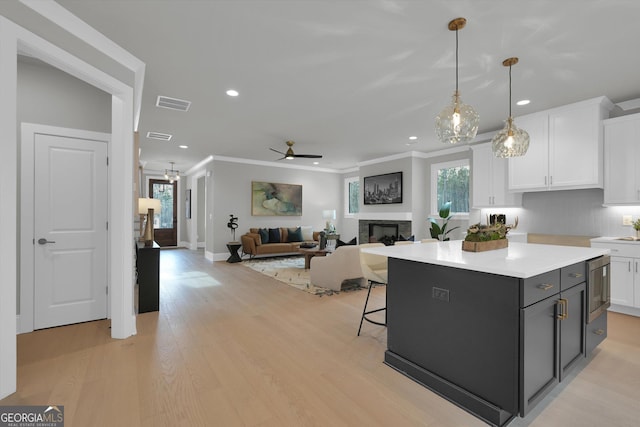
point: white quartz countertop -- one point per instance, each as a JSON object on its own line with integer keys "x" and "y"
{"x": 622, "y": 240}
{"x": 520, "y": 260}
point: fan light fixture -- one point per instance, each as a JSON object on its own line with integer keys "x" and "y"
{"x": 510, "y": 141}
{"x": 457, "y": 122}
{"x": 171, "y": 175}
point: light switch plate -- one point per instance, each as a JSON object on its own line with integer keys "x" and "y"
{"x": 626, "y": 220}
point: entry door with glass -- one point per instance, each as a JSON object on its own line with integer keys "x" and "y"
{"x": 165, "y": 224}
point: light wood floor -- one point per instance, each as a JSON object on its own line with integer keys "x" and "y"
{"x": 231, "y": 347}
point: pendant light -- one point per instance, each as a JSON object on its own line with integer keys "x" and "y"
{"x": 510, "y": 141}
{"x": 171, "y": 175}
{"x": 457, "y": 122}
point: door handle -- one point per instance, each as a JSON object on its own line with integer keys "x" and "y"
{"x": 43, "y": 241}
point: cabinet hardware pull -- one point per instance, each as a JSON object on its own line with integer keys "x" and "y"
{"x": 551, "y": 180}
{"x": 576, "y": 275}
{"x": 563, "y": 309}
{"x": 545, "y": 180}
{"x": 545, "y": 286}
{"x": 599, "y": 332}
{"x": 629, "y": 262}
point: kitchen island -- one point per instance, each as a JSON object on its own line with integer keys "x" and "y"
{"x": 493, "y": 332}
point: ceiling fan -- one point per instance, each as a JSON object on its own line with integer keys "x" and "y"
{"x": 289, "y": 155}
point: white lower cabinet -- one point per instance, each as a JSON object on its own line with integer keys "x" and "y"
{"x": 625, "y": 274}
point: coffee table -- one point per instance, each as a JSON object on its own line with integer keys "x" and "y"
{"x": 310, "y": 253}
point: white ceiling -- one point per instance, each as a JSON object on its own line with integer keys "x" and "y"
{"x": 352, "y": 80}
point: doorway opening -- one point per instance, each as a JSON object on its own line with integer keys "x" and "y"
{"x": 165, "y": 224}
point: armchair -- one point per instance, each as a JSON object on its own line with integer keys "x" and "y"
{"x": 343, "y": 264}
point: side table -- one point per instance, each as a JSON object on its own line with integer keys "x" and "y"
{"x": 233, "y": 250}
{"x": 310, "y": 253}
{"x": 148, "y": 271}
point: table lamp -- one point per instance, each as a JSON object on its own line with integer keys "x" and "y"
{"x": 329, "y": 215}
{"x": 147, "y": 207}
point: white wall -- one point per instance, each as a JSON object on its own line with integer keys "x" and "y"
{"x": 49, "y": 96}
{"x": 231, "y": 194}
{"x": 200, "y": 210}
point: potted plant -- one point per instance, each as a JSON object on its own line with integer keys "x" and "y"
{"x": 636, "y": 226}
{"x": 438, "y": 231}
{"x": 481, "y": 238}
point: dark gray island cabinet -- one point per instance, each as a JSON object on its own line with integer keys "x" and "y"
{"x": 494, "y": 344}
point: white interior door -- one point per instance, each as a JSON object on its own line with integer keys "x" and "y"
{"x": 70, "y": 230}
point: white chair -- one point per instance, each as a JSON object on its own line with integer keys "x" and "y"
{"x": 374, "y": 270}
{"x": 404, "y": 242}
{"x": 331, "y": 270}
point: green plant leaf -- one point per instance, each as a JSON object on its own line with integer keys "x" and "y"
{"x": 444, "y": 210}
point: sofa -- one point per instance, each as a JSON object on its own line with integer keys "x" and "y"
{"x": 277, "y": 241}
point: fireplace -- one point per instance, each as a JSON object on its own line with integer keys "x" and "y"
{"x": 383, "y": 231}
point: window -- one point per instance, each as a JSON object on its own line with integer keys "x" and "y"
{"x": 450, "y": 183}
{"x": 351, "y": 196}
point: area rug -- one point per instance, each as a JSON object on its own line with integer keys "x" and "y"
{"x": 290, "y": 270}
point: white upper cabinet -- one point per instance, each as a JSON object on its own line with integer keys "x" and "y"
{"x": 622, "y": 160}
{"x": 565, "y": 150}
{"x": 489, "y": 180}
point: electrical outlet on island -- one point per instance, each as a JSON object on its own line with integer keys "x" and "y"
{"x": 626, "y": 220}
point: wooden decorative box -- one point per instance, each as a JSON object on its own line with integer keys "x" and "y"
{"x": 484, "y": 246}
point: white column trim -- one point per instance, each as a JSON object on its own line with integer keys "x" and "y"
{"x": 13, "y": 39}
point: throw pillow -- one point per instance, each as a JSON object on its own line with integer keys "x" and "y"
{"x": 256, "y": 238}
{"x": 341, "y": 243}
{"x": 404, "y": 239}
{"x": 264, "y": 235}
{"x": 294, "y": 235}
{"x": 274, "y": 235}
{"x": 307, "y": 233}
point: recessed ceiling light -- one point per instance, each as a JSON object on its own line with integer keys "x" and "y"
{"x": 232, "y": 92}
{"x": 413, "y": 137}
{"x": 523, "y": 102}
{"x": 316, "y": 163}
{"x": 183, "y": 146}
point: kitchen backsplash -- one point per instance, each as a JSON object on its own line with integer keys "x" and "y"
{"x": 572, "y": 212}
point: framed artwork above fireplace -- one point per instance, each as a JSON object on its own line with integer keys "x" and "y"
{"x": 383, "y": 189}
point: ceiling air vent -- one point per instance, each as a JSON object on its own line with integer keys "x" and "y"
{"x": 159, "y": 135}
{"x": 173, "y": 103}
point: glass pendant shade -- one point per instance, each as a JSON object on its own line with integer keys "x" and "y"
{"x": 457, "y": 122}
{"x": 510, "y": 141}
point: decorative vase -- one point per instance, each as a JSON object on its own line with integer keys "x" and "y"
{"x": 148, "y": 230}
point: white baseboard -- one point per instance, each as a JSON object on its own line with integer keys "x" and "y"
{"x": 631, "y": 311}
{"x": 209, "y": 255}
{"x": 201, "y": 244}
{"x": 220, "y": 256}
